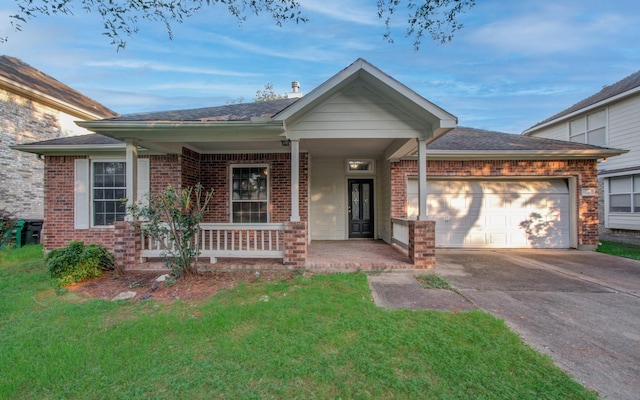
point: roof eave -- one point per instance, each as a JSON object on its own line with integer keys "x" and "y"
{"x": 77, "y": 149}
{"x": 521, "y": 154}
{"x": 50, "y": 100}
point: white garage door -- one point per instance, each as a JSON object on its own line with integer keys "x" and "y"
{"x": 499, "y": 214}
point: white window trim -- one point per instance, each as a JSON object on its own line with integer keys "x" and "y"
{"x": 608, "y": 193}
{"x": 83, "y": 189}
{"x": 269, "y": 182}
{"x": 586, "y": 132}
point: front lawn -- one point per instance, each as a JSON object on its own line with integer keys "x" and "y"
{"x": 312, "y": 337}
{"x": 619, "y": 249}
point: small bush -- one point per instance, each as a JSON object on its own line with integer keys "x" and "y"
{"x": 7, "y": 222}
{"x": 77, "y": 262}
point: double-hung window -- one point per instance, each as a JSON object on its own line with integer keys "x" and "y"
{"x": 624, "y": 194}
{"x": 250, "y": 193}
{"x": 590, "y": 129}
{"x": 100, "y": 186}
{"x": 109, "y": 192}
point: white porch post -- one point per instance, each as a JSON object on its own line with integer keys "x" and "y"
{"x": 422, "y": 179}
{"x": 131, "y": 159}
{"x": 295, "y": 180}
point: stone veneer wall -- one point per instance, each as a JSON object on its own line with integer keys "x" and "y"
{"x": 586, "y": 172}
{"x": 58, "y": 229}
{"x": 22, "y": 174}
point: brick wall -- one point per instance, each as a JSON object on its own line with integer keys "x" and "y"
{"x": 584, "y": 170}
{"x": 58, "y": 228}
{"x": 215, "y": 172}
{"x": 22, "y": 174}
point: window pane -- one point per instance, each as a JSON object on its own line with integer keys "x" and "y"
{"x": 597, "y": 137}
{"x": 620, "y": 203}
{"x": 620, "y": 185}
{"x": 636, "y": 203}
{"x": 109, "y": 181}
{"x": 577, "y": 126}
{"x": 596, "y": 120}
{"x": 249, "y": 194}
{"x": 577, "y": 138}
{"x": 636, "y": 183}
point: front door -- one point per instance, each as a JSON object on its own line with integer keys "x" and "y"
{"x": 360, "y": 208}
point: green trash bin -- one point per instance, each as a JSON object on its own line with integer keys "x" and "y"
{"x": 16, "y": 234}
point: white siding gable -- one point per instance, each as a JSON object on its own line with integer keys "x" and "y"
{"x": 624, "y": 133}
{"x": 356, "y": 112}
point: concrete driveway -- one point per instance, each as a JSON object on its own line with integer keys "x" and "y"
{"x": 580, "y": 308}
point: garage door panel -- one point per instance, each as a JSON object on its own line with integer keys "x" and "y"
{"x": 500, "y": 213}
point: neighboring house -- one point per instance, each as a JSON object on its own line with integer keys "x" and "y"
{"x": 609, "y": 118}
{"x": 359, "y": 157}
{"x": 33, "y": 107}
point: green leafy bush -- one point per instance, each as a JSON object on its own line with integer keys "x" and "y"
{"x": 77, "y": 262}
{"x": 7, "y": 222}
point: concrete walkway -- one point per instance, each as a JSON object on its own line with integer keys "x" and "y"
{"x": 580, "y": 308}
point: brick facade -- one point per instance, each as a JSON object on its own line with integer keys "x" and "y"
{"x": 22, "y": 174}
{"x": 422, "y": 244}
{"x": 585, "y": 172}
{"x": 213, "y": 171}
{"x": 58, "y": 228}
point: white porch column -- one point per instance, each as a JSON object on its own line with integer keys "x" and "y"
{"x": 295, "y": 180}
{"x": 131, "y": 158}
{"x": 422, "y": 179}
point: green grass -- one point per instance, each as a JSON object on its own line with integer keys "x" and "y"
{"x": 433, "y": 281}
{"x": 312, "y": 337}
{"x": 620, "y": 249}
{"x": 21, "y": 254}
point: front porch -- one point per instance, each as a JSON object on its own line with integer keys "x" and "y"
{"x": 286, "y": 246}
{"x": 322, "y": 256}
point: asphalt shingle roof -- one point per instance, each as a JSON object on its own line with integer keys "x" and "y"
{"x": 459, "y": 139}
{"x": 230, "y": 112}
{"x": 630, "y": 82}
{"x": 14, "y": 69}
{"x": 463, "y": 138}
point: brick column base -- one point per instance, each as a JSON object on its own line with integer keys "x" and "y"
{"x": 295, "y": 244}
{"x": 127, "y": 245}
{"x": 422, "y": 244}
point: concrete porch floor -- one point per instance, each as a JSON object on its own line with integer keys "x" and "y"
{"x": 322, "y": 256}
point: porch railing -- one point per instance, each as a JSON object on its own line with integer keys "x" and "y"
{"x": 228, "y": 240}
{"x": 400, "y": 232}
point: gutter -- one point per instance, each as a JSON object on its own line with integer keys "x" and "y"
{"x": 461, "y": 155}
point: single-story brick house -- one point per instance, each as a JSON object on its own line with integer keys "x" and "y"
{"x": 359, "y": 157}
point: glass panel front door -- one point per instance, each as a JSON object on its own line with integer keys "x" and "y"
{"x": 361, "y": 208}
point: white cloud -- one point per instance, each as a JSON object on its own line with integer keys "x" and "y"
{"x": 361, "y": 13}
{"x": 162, "y": 67}
{"x": 550, "y": 29}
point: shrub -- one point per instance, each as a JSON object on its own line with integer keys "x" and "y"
{"x": 172, "y": 218}
{"x": 77, "y": 262}
{"x": 7, "y": 222}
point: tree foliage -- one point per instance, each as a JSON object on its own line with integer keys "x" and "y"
{"x": 172, "y": 218}
{"x": 268, "y": 94}
{"x": 120, "y": 18}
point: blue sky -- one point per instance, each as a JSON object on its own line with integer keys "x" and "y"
{"x": 514, "y": 63}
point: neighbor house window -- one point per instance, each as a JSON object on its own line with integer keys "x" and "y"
{"x": 109, "y": 191}
{"x": 624, "y": 194}
{"x": 250, "y": 194}
{"x": 590, "y": 129}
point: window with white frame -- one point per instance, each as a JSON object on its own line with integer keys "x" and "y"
{"x": 590, "y": 129}
{"x": 250, "y": 194}
{"x": 109, "y": 189}
{"x": 624, "y": 194}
